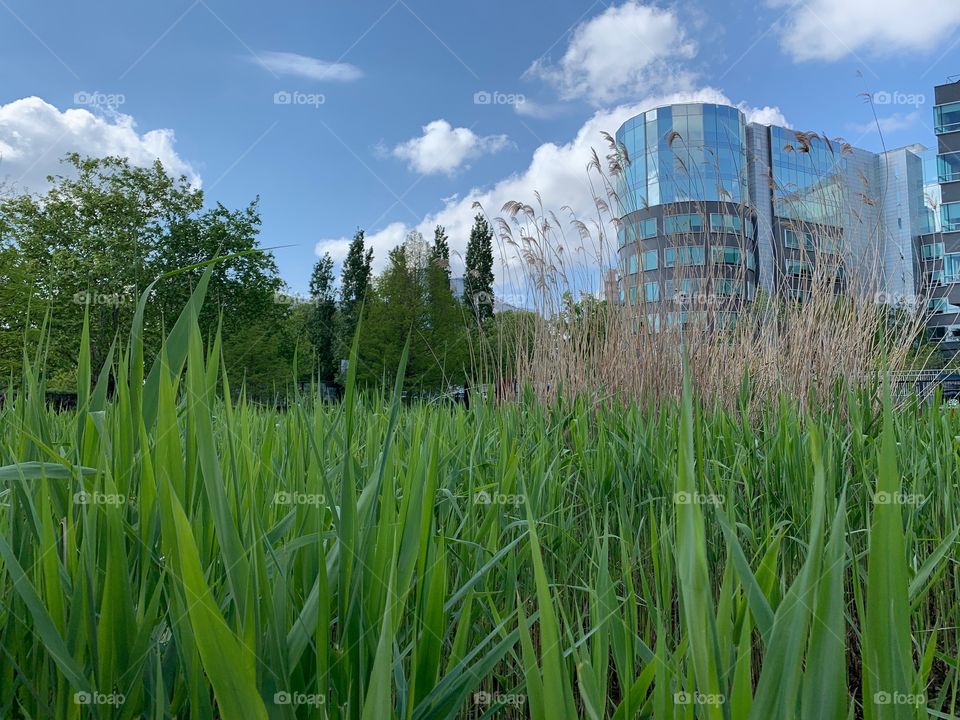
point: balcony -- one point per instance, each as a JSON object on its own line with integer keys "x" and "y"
{"x": 946, "y": 118}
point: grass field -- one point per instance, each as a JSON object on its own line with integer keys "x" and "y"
{"x": 166, "y": 553}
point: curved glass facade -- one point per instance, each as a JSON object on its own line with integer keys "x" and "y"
{"x": 809, "y": 177}
{"x": 690, "y": 152}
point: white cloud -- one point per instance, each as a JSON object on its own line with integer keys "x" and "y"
{"x": 765, "y": 116}
{"x": 287, "y": 63}
{"x": 382, "y": 242}
{"x": 831, "y": 29}
{"x": 534, "y": 109}
{"x": 557, "y": 172}
{"x": 626, "y": 50}
{"x": 888, "y": 123}
{"x": 35, "y": 135}
{"x": 443, "y": 148}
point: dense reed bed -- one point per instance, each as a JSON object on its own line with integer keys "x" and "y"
{"x": 167, "y": 552}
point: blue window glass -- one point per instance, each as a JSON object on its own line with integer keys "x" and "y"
{"x": 651, "y": 291}
{"x": 951, "y": 268}
{"x": 648, "y": 228}
{"x": 633, "y": 263}
{"x": 947, "y": 117}
{"x": 948, "y": 167}
{"x": 650, "y": 260}
{"x": 684, "y": 223}
{"x": 950, "y": 215}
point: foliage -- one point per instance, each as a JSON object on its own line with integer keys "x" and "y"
{"x": 478, "y": 277}
{"x": 355, "y": 279}
{"x": 323, "y": 318}
{"x": 187, "y": 556}
{"x": 413, "y": 298}
{"x": 101, "y": 234}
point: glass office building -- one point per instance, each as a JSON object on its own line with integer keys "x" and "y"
{"x": 714, "y": 209}
{"x": 687, "y": 236}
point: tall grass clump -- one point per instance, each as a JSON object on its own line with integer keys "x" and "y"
{"x": 171, "y": 551}
{"x": 820, "y": 318}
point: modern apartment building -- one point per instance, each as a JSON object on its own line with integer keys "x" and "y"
{"x": 938, "y": 247}
{"x": 718, "y": 210}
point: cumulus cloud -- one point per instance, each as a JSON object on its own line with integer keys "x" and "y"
{"x": 35, "y": 135}
{"x": 443, "y": 148}
{"x": 556, "y": 171}
{"x": 830, "y": 30}
{"x": 304, "y": 66}
{"x": 534, "y": 109}
{"x": 626, "y": 50}
{"x": 888, "y": 124}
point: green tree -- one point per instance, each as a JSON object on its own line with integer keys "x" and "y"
{"x": 478, "y": 277}
{"x": 103, "y": 232}
{"x": 321, "y": 327}
{"x": 412, "y": 297}
{"x": 354, "y": 281}
{"x": 440, "y": 250}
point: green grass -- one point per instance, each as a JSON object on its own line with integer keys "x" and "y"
{"x": 627, "y": 560}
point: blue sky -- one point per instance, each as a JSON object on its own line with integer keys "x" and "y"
{"x": 399, "y": 114}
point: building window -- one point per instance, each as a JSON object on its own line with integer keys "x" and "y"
{"x": 725, "y": 223}
{"x": 751, "y": 262}
{"x": 726, "y": 255}
{"x": 689, "y": 222}
{"x": 946, "y": 117}
{"x": 799, "y": 267}
{"x": 942, "y": 305}
{"x": 683, "y": 256}
{"x": 648, "y": 228}
{"x": 831, "y": 244}
{"x": 948, "y": 167}
{"x": 791, "y": 239}
{"x": 633, "y": 263}
{"x": 650, "y": 260}
{"x": 931, "y": 251}
{"x": 951, "y": 268}
{"x": 651, "y": 291}
{"x": 950, "y": 216}
{"x": 726, "y": 286}
{"x": 633, "y": 294}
